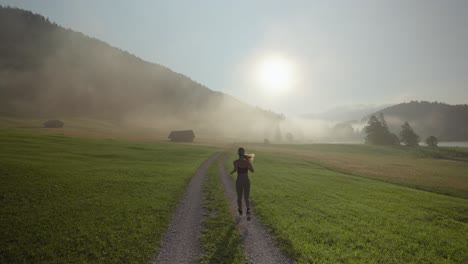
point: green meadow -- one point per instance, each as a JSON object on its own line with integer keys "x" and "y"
{"x": 83, "y": 200}
{"x": 75, "y": 200}
{"x": 323, "y": 216}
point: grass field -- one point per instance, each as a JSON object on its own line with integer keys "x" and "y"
{"x": 75, "y": 200}
{"x": 323, "y": 216}
{"x": 221, "y": 240}
{"x": 101, "y": 200}
{"x": 443, "y": 171}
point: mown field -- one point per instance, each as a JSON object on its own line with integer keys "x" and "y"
{"x": 323, "y": 216}
{"x": 442, "y": 170}
{"x": 75, "y": 200}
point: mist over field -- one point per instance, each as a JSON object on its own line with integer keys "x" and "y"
{"x": 49, "y": 72}
{"x": 58, "y": 73}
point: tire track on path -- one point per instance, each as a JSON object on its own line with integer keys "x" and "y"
{"x": 180, "y": 243}
{"x": 259, "y": 246}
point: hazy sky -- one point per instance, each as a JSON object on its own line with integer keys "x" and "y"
{"x": 343, "y": 52}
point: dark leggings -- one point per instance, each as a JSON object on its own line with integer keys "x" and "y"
{"x": 243, "y": 186}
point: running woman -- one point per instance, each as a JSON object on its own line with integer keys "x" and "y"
{"x": 242, "y": 166}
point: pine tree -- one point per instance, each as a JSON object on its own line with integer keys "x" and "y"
{"x": 432, "y": 141}
{"x": 374, "y": 131}
{"x": 378, "y": 132}
{"x": 382, "y": 120}
{"x": 408, "y": 136}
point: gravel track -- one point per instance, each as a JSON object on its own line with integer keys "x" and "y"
{"x": 259, "y": 247}
{"x": 180, "y": 243}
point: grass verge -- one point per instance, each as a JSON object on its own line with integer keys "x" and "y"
{"x": 221, "y": 240}
{"x": 76, "y": 200}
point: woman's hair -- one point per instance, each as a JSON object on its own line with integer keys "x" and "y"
{"x": 241, "y": 152}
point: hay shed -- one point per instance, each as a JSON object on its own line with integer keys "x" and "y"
{"x": 182, "y": 136}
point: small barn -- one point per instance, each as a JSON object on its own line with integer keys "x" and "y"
{"x": 53, "y": 124}
{"x": 182, "y": 136}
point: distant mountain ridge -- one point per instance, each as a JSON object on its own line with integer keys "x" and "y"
{"x": 345, "y": 113}
{"x": 49, "y": 71}
{"x": 444, "y": 121}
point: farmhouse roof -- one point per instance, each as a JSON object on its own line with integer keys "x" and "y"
{"x": 182, "y": 133}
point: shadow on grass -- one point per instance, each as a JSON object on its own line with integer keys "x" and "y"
{"x": 226, "y": 248}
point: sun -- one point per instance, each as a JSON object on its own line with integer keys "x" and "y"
{"x": 275, "y": 74}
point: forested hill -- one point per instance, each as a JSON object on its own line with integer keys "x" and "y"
{"x": 446, "y": 122}
{"x": 49, "y": 71}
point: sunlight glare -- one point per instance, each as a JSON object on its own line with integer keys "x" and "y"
{"x": 275, "y": 75}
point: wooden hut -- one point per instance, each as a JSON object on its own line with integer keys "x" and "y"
{"x": 182, "y": 136}
{"x": 53, "y": 124}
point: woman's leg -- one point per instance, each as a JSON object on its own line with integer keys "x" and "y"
{"x": 239, "y": 194}
{"x": 247, "y": 194}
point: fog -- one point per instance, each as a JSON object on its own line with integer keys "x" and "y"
{"x": 58, "y": 73}
{"x": 49, "y": 72}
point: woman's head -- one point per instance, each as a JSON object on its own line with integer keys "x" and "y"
{"x": 241, "y": 152}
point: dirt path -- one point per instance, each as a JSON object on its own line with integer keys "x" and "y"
{"x": 180, "y": 244}
{"x": 259, "y": 247}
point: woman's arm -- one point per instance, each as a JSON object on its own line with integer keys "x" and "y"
{"x": 235, "y": 167}
{"x": 251, "y": 167}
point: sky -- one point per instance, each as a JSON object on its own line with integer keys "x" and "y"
{"x": 339, "y": 53}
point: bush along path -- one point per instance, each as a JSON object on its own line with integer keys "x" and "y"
{"x": 180, "y": 244}
{"x": 259, "y": 246}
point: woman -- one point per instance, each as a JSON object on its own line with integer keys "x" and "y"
{"x": 243, "y": 166}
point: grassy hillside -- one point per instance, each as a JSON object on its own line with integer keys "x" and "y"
{"x": 75, "y": 200}
{"x": 443, "y": 170}
{"x": 322, "y": 216}
{"x": 48, "y": 71}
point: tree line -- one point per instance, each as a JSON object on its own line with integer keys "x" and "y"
{"x": 378, "y": 133}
